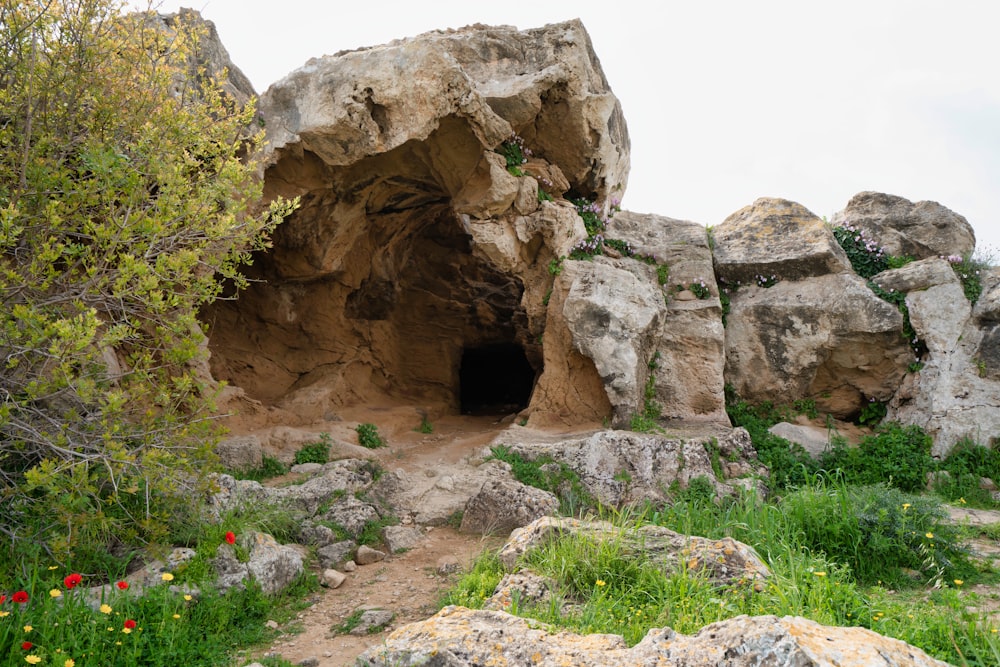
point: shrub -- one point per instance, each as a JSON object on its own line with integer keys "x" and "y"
{"x": 315, "y": 452}
{"x": 966, "y": 464}
{"x": 897, "y": 455}
{"x": 368, "y": 436}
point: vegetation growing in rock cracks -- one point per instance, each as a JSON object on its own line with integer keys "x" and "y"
{"x": 125, "y": 205}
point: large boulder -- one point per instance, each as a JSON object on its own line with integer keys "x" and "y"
{"x": 829, "y": 338}
{"x": 921, "y": 230}
{"x": 688, "y": 348}
{"x": 775, "y": 239}
{"x": 459, "y": 637}
{"x": 504, "y": 504}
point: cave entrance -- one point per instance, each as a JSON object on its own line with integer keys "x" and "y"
{"x": 495, "y": 379}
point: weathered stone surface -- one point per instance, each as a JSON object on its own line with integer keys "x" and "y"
{"x": 936, "y": 302}
{"x": 271, "y": 565}
{"x": 688, "y": 379}
{"x": 332, "y": 578}
{"x": 413, "y": 240}
{"x": 366, "y": 555}
{"x": 459, "y": 637}
{"x": 813, "y": 439}
{"x": 372, "y": 620}
{"x": 504, "y": 504}
{"x": 240, "y": 453}
{"x": 723, "y": 561}
{"x": 400, "y": 538}
{"x": 987, "y": 308}
{"x": 612, "y": 315}
{"x": 921, "y": 230}
{"x": 620, "y": 467}
{"x": 527, "y": 587}
{"x": 336, "y": 554}
{"x": 775, "y": 238}
{"x": 829, "y": 338}
{"x": 351, "y": 514}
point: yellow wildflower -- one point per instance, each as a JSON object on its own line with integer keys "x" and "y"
{"x": 127, "y": 631}
{"x": 28, "y": 628}
{"x": 4, "y": 613}
{"x": 959, "y": 582}
{"x": 55, "y": 593}
{"x": 105, "y": 609}
{"x": 820, "y": 574}
{"x": 177, "y": 615}
{"x": 600, "y": 582}
{"x": 929, "y": 536}
{"x": 187, "y": 598}
{"x": 32, "y": 659}
{"x": 906, "y": 506}
{"x": 70, "y": 662}
{"x": 53, "y": 567}
{"x": 166, "y": 576}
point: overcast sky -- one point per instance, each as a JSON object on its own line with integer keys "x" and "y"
{"x": 732, "y": 100}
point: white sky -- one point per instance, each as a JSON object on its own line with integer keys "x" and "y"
{"x": 731, "y": 100}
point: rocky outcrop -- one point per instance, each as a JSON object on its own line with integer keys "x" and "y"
{"x": 829, "y": 338}
{"x": 623, "y": 467}
{"x": 459, "y": 637}
{"x": 505, "y": 504}
{"x": 920, "y": 230}
{"x": 724, "y": 561}
{"x": 271, "y": 565}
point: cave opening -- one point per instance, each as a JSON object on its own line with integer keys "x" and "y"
{"x": 495, "y": 379}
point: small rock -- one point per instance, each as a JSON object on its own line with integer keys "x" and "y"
{"x": 350, "y": 566}
{"x": 332, "y": 555}
{"x": 398, "y": 538}
{"x": 987, "y": 484}
{"x": 332, "y": 578}
{"x": 371, "y": 621}
{"x": 446, "y": 483}
{"x": 448, "y": 565}
{"x": 306, "y": 468}
{"x": 309, "y": 662}
{"x": 366, "y": 555}
{"x": 272, "y": 625}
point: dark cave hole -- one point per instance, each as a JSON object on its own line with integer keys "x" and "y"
{"x": 495, "y": 379}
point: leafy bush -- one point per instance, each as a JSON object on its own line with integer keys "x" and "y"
{"x": 966, "y": 464}
{"x": 867, "y": 257}
{"x": 125, "y": 204}
{"x": 787, "y": 462}
{"x": 895, "y": 454}
{"x": 368, "y": 436}
{"x": 315, "y": 452}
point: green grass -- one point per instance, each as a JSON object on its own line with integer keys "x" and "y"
{"x": 315, "y": 452}
{"x": 816, "y": 543}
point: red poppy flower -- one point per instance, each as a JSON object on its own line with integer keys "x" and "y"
{"x": 19, "y": 597}
{"x": 27, "y": 646}
{"x": 129, "y": 623}
{"x": 72, "y": 580}
{"x": 231, "y": 537}
{"x": 122, "y": 585}
{"x": 2, "y": 598}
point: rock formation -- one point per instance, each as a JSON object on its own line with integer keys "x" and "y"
{"x": 459, "y": 637}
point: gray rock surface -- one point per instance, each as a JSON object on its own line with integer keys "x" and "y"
{"x": 921, "y": 230}
{"x": 504, "y": 504}
{"x": 271, "y": 565}
{"x": 400, "y": 538}
{"x": 459, "y": 637}
{"x": 367, "y": 556}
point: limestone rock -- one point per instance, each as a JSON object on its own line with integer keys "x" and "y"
{"x": 621, "y": 467}
{"x": 611, "y": 314}
{"x": 332, "y": 578}
{"x": 459, "y": 637}
{"x": 400, "y": 538}
{"x": 987, "y": 308}
{"x": 529, "y": 588}
{"x": 240, "y": 453}
{"x": 723, "y": 561}
{"x": 335, "y": 555}
{"x": 371, "y": 621}
{"x": 504, "y": 504}
{"x": 271, "y": 565}
{"x": 813, "y": 439}
{"x": 366, "y": 555}
{"x": 921, "y": 230}
{"x": 413, "y": 241}
{"x": 829, "y": 338}
{"x": 775, "y": 237}
{"x": 688, "y": 377}
{"x": 351, "y": 514}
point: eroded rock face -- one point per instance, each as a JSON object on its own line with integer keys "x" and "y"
{"x": 459, "y": 637}
{"x": 829, "y": 338}
{"x": 921, "y": 230}
{"x": 414, "y": 242}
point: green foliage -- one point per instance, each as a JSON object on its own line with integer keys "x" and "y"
{"x": 872, "y": 413}
{"x": 909, "y": 333}
{"x": 368, "y": 436}
{"x": 647, "y": 421}
{"x": 698, "y": 288}
{"x": 966, "y": 464}
{"x": 878, "y": 531}
{"x": 315, "y": 452}
{"x": 125, "y": 205}
{"x": 516, "y": 154}
{"x": 662, "y": 274}
{"x": 425, "y": 426}
{"x": 895, "y": 454}
{"x": 968, "y": 268}
{"x": 789, "y": 464}
{"x": 556, "y": 266}
{"x": 550, "y": 475}
{"x": 867, "y": 257}
{"x": 269, "y": 467}
{"x": 371, "y": 532}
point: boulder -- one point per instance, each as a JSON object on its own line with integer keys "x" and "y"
{"x": 624, "y": 467}
{"x": 401, "y": 538}
{"x": 689, "y": 345}
{"x": 271, "y": 565}
{"x": 459, "y": 637}
{"x": 351, "y": 514}
{"x": 240, "y": 453}
{"x": 336, "y": 554}
{"x": 829, "y": 338}
{"x": 504, "y": 504}
{"x": 920, "y": 230}
{"x": 813, "y": 439}
{"x": 724, "y": 561}
{"x": 775, "y": 239}
{"x": 367, "y": 556}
